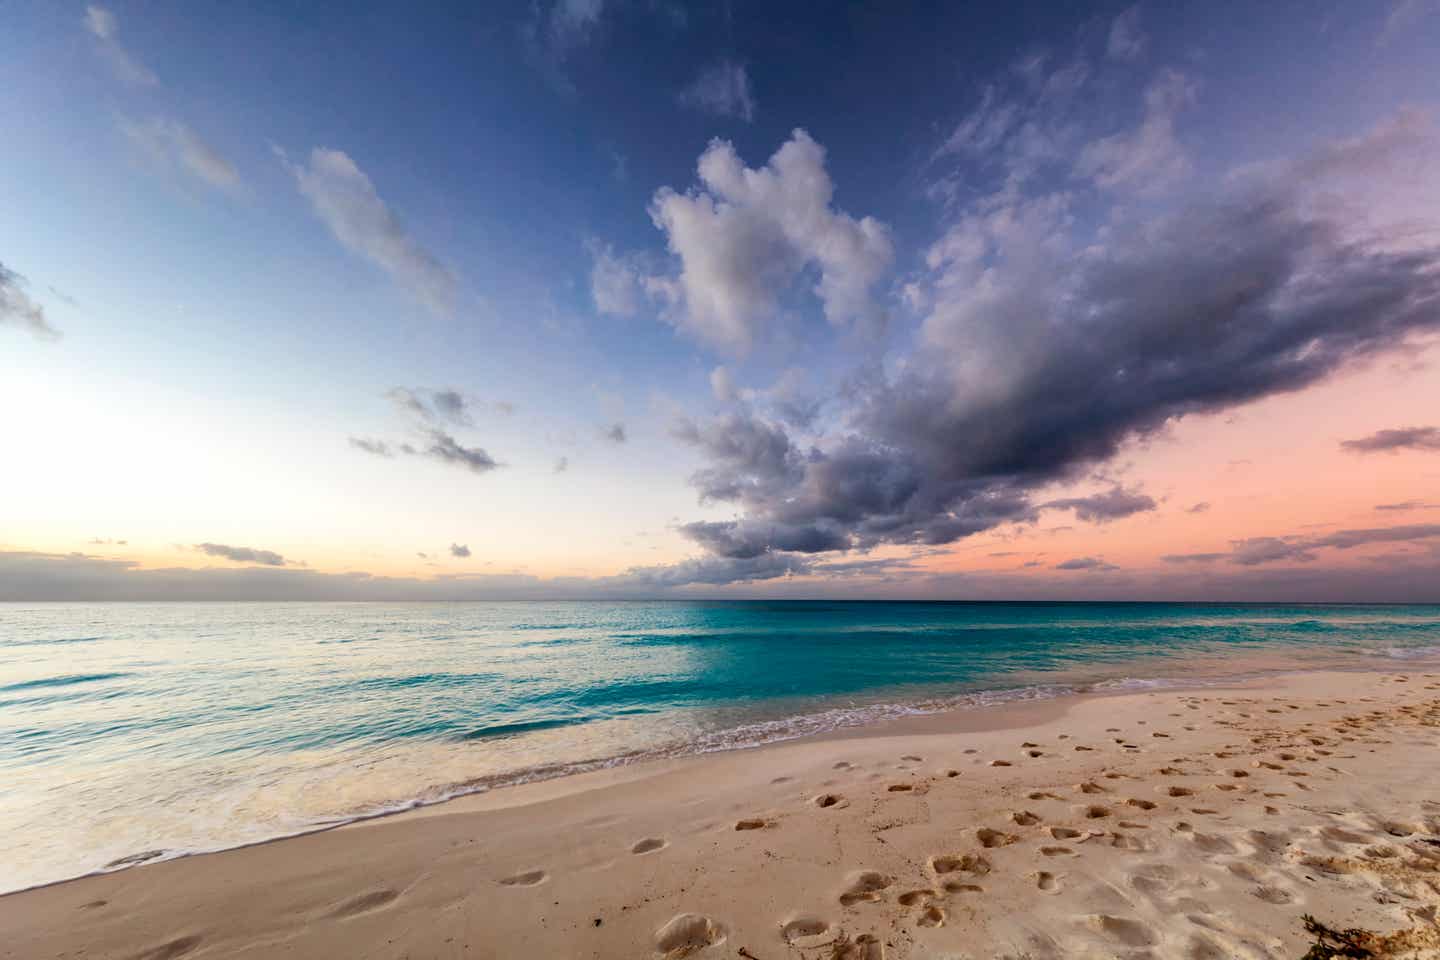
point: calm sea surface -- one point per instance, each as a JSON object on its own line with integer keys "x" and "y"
{"x": 132, "y": 732}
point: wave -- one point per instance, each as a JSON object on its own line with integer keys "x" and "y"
{"x": 62, "y": 681}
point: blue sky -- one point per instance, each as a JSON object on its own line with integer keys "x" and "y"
{"x": 251, "y": 224}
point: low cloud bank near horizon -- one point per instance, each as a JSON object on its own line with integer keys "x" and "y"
{"x": 29, "y": 577}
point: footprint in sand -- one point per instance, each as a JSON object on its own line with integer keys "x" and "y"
{"x": 527, "y": 879}
{"x": 170, "y": 949}
{"x": 866, "y": 886}
{"x": 931, "y": 916}
{"x": 365, "y": 903}
{"x": 1132, "y": 933}
{"x": 648, "y": 845}
{"x": 686, "y": 933}
{"x": 867, "y": 946}
{"x": 1177, "y": 791}
{"x": 1057, "y": 852}
{"x": 957, "y": 886}
{"x": 842, "y": 765}
{"x": 1142, "y": 804}
{"x": 755, "y": 823}
{"x": 1094, "y": 812}
{"x": 971, "y": 863}
{"x": 808, "y": 933}
{"x": 999, "y": 763}
{"x": 900, "y": 787}
{"x": 828, "y": 801}
{"x": 1024, "y": 818}
{"x": 1064, "y": 833}
{"x": 1090, "y": 786}
{"x": 912, "y": 758}
{"x": 914, "y": 898}
{"x": 1043, "y": 795}
{"x": 994, "y": 838}
{"x": 1047, "y": 882}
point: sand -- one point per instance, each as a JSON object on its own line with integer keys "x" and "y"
{"x": 1182, "y": 823}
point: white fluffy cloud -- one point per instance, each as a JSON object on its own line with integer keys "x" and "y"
{"x": 722, "y": 89}
{"x": 171, "y": 141}
{"x": 345, "y": 199}
{"x": 746, "y": 235}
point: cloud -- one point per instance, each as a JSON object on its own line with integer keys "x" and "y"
{"x": 722, "y": 89}
{"x": 345, "y": 200}
{"x": 1395, "y": 440}
{"x": 1255, "y": 551}
{"x": 1045, "y": 351}
{"x": 18, "y": 310}
{"x": 1113, "y": 504}
{"x": 746, "y": 235}
{"x": 1202, "y": 507}
{"x": 1193, "y": 557}
{"x": 443, "y": 447}
{"x": 378, "y": 448}
{"x": 1148, "y": 156}
{"x": 1407, "y": 505}
{"x": 1126, "y": 40}
{"x": 1085, "y": 563}
{"x": 556, "y": 32}
{"x": 32, "y": 577}
{"x": 562, "y": 464}
{"x": 103, "y": 25}
{"x": 616, "y": 282}
{"x": 443, "y": 406}
{"x": 717, "y": 570}
{"x": 266, "y": 558}
{"x": 170, "y": 142}
{"x": 615, "y": 433}
{"x": 459, "y": 550}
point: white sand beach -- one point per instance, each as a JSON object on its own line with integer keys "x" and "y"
{"x": 1180, "y": 823}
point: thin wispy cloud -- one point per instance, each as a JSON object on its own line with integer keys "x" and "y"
{"x": 19, "y": 310}
{"x": 345, "y": 200}
{"x": 1395, "y": 440}
{"x": 105, "y": 27}
{"x": 174, "y": 144}
{"x": 723, "y": 90}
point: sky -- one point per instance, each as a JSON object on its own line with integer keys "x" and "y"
{"x": 631, "y": 298}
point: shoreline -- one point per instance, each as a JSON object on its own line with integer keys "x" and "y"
{"x": 594, "y": 842}
{"x": 897, "y": 717}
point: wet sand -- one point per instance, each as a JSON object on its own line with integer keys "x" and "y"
{"x": 1179, "y": 823}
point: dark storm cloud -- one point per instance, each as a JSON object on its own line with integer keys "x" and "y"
{"x": 714, "y": 570}
{"x": 266, "y": 558}
{"x": 742, "y": 540}
{"x": 17, "y": 309}
{"x": 459, "y": 550}
{"x": 1113, "y": 504}
{"x": 1058, "y": 359}
{"x": 1391, "y": 441}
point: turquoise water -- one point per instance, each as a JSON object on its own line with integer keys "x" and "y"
{"x": 137, "y": 731}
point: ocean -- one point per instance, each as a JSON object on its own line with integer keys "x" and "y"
{"x": 131, "y": 732}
